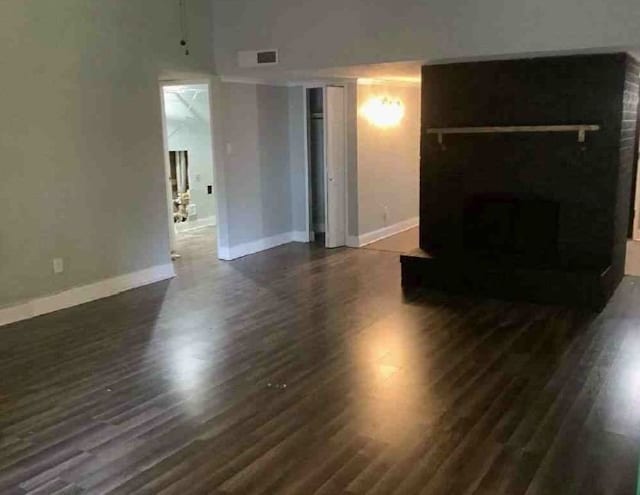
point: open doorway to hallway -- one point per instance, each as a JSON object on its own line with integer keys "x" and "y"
{"x": 191, "y": 195}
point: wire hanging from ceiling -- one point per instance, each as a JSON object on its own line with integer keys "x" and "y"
{"x": 184, "y": 27}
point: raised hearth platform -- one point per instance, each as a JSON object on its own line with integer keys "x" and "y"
{"x": 469, "y": 274}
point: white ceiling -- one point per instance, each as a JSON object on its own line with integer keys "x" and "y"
{"x": 395, "y": 72}
{"x": 407, "y": 72}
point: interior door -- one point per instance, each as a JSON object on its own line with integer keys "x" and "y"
{"x": 336, "y": 167}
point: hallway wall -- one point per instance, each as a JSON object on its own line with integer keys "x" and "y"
{"x": 256, "y": 165}
{"x": 388, "y": 161}
{"x": 262, "y": 154}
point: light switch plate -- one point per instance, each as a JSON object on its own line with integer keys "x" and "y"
{"x": 58, "y": 265}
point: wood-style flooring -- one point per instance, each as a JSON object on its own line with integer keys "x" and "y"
{"x": 403, "y": 242}
{"x": 302, "y": 370}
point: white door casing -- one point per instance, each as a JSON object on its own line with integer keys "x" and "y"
{"x": 335, "y": 162}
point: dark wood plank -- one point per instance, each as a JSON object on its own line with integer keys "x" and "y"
{"x": 165, "y": 389}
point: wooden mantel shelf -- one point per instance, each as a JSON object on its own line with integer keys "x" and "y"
{"x": 581, "y": 129}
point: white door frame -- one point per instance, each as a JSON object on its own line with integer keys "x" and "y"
{"x": 335, "y": 142}
{"x": 167, "y": 169}
{"x": 308, "y": 216}
{"x": 213, "y": 84}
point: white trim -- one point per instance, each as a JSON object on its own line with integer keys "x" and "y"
{"x": 329, "y": 147}
{"x": 300, "y": 236}
{"x": 632, "y": 261}
{"x": 195, "y": 224}
{"x": 345, "y": 114}
{"x": 383, "y": 233}
{"x": 307, "y": 184}
{"x": 85, "y": 293}
{"x": 219, "y": 186}
{"x": 290, "y": 83}
{"x": 194, "y": 81}
{"x": 224, "y": 253}
{"x": 216, "y": 97}
{"x": 353, "y": 241}
{"x": 167, "y": 168}
{"x": 308, "y": 213}
{"x": 257, "y": 81}
{"x": 240, "y": 250}
{"x": 389, "y": 82}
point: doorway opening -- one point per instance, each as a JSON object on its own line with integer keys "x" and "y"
{"x": 190, "y": 190}
{"x": 180, "y": 189}
{"x": 315, "y": 99}
{"x": 326, "y": 165}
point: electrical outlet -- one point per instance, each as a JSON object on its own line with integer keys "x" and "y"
{"x": 58, "y": 265}
{"x": 229, "y": 148}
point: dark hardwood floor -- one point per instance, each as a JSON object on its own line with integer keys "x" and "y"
{"x": 180, "y": 388}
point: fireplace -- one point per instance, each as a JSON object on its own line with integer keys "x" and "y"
{"x": 525, "y": 177}
{"x": 522, "y": 230}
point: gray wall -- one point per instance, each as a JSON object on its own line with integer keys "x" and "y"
{"x": 261, "y": 160}
{"x": 388, "y": 161}
{"x": 333, "y": 33}
{"x": 352, "y": 160}
{"x": 256, "y": 163}
{"x": 297, "y": 159}
{"x": 188, "y": 120}
{"x": 81, "y": 137}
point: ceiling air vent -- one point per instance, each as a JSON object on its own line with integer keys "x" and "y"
{"x": 255, "y": 58}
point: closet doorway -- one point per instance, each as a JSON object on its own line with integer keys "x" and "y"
{"x": 326, "y": 167}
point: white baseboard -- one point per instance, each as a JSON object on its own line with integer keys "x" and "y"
{"x": 240, "y": 250}
{"x": 353, "y": 241}
{"x": 383, "y": 233}
{"x": 195, "y": 224}
{"x": 224, "y": 253}
{"x": 300, "y": 236}
{"x": 84, "y": 294}
{"x": 632, "y": 262}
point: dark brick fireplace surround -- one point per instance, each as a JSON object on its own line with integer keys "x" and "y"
{"x": 531, "y": 216}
